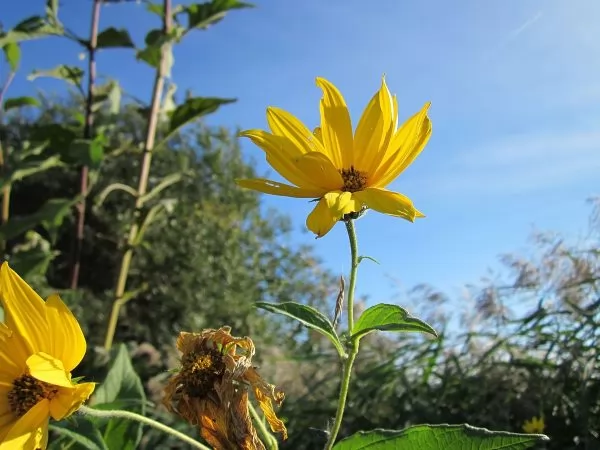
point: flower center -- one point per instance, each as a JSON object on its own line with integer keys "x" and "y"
{"x": 354, "y": 180}
{"x": 28, "y": 392}
{"x": 200, "y": 371}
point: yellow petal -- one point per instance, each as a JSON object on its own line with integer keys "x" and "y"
{"x": 331, "y": 208}
{"x": 280, "y": 153}
{"x": 13, "y": 354}
{"x": 70, "y": 399}
{"x": 282, "y": 123}
{"x": 389, "y": 202}
{"x": 321, "y": 171}
{"x": 68, "y": 342}
{"x": 373, "y": 131}
{"x": 318, "y": 134}
{"x": 24, "y": 310}
{"x": 45, "y": 368}
{"x": 30, "y": 432}
{"x": 7, "y": 417}
{"x": 336, "y": 126}
{"x": 405, "y": 146}
{"x": 275, "y": 188}
{"x": 320, "y": 220}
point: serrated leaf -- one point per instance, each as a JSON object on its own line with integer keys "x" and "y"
{"x": 50, "y": 216}
{"x": 307, "y": 316}
{"x": 434, "y": 437}
{"x": 88, "y": 152}
{"x": 27, "y": 168}
{"x": 202, "y": 15}
{"x": 122, "y": 386}
{"x": 192, "y": 109}
{"x": 78, "y": 433}
{"x": 12, "y": 54}
{"x": 114, "y": 37}
{"x": 70, "y": 74}
{"x": 19, "y": 102}
{"x": 152, "y": 54}
{"x": 385, "y": 317}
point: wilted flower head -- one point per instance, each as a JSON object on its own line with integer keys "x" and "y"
{"x": 210, "y": 389}
{"x": 40, "y": 344}
{"x": 346, "y": 171}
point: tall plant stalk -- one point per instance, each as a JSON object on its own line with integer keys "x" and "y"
{"x": 157, "y": 93}
{"x": 4, "y": 215}
{"x": 87, "y": 134}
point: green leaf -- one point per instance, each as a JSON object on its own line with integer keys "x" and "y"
{"x": 50, "y": 216}
{"x": 202, "y": 15}
{"x": 12, "y": 53}
{"x": 192, "y": 109}
{"x": 19, "y": 102}
{"x": 434, "y": 437}
{"x": 32, "y": 257}
{"x": 362, "y": 258}
{"x": 89, "y": 152}
{"x": 107, "y": 94}
{"x": 385, "y": 317}
{"x": 27, "y": 168}
{"x": 77, "y": 433}
{"x": 307, "y": 316}
{"x": 122, "y": 386}
{"x": 70, "y": 74}
{"x": 113, "y": 37}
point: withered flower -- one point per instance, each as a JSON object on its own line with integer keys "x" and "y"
{"x": 210, "y": 389}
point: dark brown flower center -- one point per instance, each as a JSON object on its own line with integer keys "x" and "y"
{"x": 200, "y": 371}
{"x": 28, "y": 392}
{"x": 354, "y": 180}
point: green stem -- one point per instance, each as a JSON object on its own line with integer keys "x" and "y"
{"x": 348, "y": 363}
{"x": 120, "y": 414}
{"x": 269, "y": 439}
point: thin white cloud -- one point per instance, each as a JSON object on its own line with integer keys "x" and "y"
{"x": 523, "y": 163}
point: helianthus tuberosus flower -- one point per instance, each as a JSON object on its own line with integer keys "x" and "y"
{"x": 40, "y": 344}
{"x": 534, "y": 426}
{"x": 346, "y": 171}
{"x": 210, "y": 389}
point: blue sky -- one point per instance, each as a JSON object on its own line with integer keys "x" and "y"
{"x": 515, "y": 92}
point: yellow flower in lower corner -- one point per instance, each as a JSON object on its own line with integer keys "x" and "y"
{"x": 40, "y": 344}
{"x": 211, "y": 389}
{"x": 346, "y": 171}
{"x": 534, "y": 426}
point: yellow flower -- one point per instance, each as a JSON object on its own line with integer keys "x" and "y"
{"x": 40, "y": 344}
{"x": 346, "y": 171}
{"x": 534, "y": 426}
{"x": 211, "y": 389}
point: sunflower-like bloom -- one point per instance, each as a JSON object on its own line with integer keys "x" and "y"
{"x": 346, "y": 171}
{"x": 534, "y": 426}
{"x": 211, "y": 389}
{"x": 40, "y": 344}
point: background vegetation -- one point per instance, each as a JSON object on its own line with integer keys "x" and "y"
{"x": 208, "y": 251}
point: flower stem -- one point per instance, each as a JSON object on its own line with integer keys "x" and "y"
{"x": 120, "y": 414}
{"x": 270, "y": 441}
{"x": 353, "y": 351}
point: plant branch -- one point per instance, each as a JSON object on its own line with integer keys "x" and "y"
{"x": 87, "y": 134}
{"x": 120, "y": 414}
{"x": 159, "y": 83}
